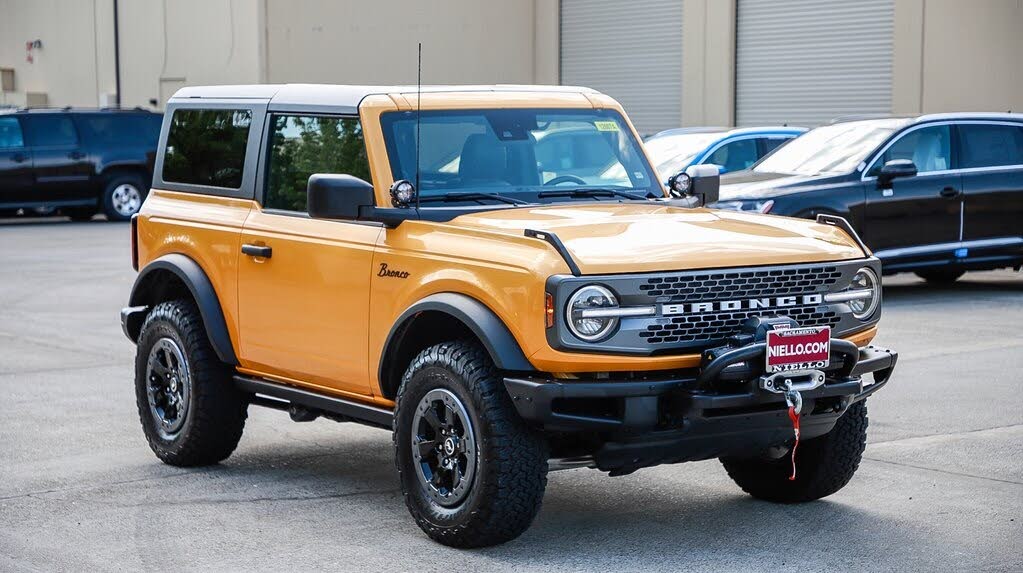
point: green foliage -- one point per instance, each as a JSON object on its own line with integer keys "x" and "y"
{"x": 302, "y": 146}
{"x": 207, "y": 147}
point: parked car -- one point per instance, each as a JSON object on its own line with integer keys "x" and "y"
{"x": 77, "y": 162}
{"x": 937, "y": 195}
{"x": 730, "y": 149}
{"x": 502, "y": 318}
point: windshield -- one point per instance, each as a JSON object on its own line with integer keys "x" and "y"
{"x": 672, "y": 153}
{"x": 837, "y": 148}
{"x": 518, "y": 153}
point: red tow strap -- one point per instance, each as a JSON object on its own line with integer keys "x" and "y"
{"x": 794, "y": 416}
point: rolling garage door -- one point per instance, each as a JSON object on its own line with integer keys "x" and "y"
{"x": 805, "y": 62}
{"x": 631, "y": 51}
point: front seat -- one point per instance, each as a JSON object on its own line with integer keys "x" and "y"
{"x": 484, "y": 161}
{"x": 928, "y": 154}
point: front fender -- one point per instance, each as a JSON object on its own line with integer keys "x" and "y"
{"x": 146, "y": 293}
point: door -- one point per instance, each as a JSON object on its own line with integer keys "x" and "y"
{"x": 62, "y": 170}
{"x": 15, "y": 163}
{"x": 917, "y": 212}
{"x": 991, "y": 158}
{"x": 303, "y": 284}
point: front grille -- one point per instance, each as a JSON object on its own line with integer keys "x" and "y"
{"x": 745, "y": 284}
{"x": 713, "y": 328}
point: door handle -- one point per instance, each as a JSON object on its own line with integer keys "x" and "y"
{"x": 75, "y": 155}
{"x": 949, "y": 192}
{"x": 257, "y": 251}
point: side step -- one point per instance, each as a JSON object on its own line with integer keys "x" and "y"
{"x": 283, "y": 397}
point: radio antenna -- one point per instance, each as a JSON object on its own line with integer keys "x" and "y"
{"x": 419, "y": 105}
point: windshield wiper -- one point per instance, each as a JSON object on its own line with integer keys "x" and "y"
{"x": 472, "y": 196}
{"x": 592, "y": 192}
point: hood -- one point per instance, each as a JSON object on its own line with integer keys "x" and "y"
{"x": 751, "y": 184}
{"x": 608, "y": 238}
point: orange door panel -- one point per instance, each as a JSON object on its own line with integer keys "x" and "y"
{"x": 304, "y": 310}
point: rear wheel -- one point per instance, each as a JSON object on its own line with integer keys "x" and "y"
{"x": 944, "y": 277}
{"x": 191, "y": 413}
{"x": 123, "y": 196}
{"x": 824, "y": 465}
{"x": 472, "y": 473}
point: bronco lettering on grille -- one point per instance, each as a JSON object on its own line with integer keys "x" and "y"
{"x": 747, "y": 304}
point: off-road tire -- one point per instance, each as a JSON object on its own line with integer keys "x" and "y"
{"x": 112, "y": 183}
{"x": 511, "y": 472}
{"x": 216, "y": 412}
{"x": 824, "y": 465}
{"x": 943, "y": 277}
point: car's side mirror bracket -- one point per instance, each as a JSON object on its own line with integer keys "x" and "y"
{"x": 895, "y": 169}
{"x": 699, "y": 182}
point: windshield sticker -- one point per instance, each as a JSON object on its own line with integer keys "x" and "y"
{"x": 606, "y": 125}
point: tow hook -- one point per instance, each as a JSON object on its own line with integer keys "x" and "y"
{"x": 790, "y": 384}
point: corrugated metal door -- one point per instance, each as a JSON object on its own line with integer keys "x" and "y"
{"x": 631, "y": 51}
{"x": 804, "y": 62}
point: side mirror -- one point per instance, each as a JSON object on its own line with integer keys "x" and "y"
{"x": 893, "y": 170}
{"x": 700, "y": 181}
{"x": 331, "y": 196}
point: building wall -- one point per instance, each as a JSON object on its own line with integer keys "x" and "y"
{"x": 74, "y": 64}
{"x": 464, "y": 41}
{"x": 952, "y": 55}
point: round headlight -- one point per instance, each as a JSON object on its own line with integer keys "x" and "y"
{"x": 865, "y": 281}
{"x": 583, "y": 313}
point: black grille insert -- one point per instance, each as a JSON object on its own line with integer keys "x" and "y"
{"x": 712, "y": 328}
{"x": 745, "y": 284}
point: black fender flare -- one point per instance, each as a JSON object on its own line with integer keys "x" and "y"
{"x": 205, "y": 296}
{"x": 487, "y": 326}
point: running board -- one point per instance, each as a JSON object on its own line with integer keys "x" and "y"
{"x": 348, "y": 409}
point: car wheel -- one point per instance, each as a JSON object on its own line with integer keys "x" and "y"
{"x": 943, "y": 277}
{"x": 471, "y": 472}
{"x": 824, "y": 465}
{"x": 123, "y": 196}
{"x": 191, "y": 413}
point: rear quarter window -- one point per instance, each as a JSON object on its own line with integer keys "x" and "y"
{"x": 207, "y": 147}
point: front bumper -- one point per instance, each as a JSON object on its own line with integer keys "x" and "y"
{"x": 699, "y": 416}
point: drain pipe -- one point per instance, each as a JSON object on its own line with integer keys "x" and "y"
{"x": 117, "y": 56}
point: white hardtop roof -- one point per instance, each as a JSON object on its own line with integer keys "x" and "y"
{"x": 337, "y": 98}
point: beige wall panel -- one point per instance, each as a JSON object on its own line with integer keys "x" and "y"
{"x": 360, "y": 42}
{"x": 708, "y": 63}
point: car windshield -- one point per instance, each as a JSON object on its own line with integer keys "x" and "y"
{"x": 525, "y": 154}
{"x": 836, "y": 148}
{"x": 673, "y": 152}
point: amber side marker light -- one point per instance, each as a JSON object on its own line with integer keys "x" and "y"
{"x": 548, "y": 309}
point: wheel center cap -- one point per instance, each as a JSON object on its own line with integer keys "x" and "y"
{"x": 450, "y": 444}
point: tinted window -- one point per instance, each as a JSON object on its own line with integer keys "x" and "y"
{"x": 769, "y": 144}
{"x": 121, "y": 129}
{"x": 10, "y": 133}
{"x": 304, "y": 145}
{"x": 735, "y": 156}
{"x": 207, "y": 147}
{"x": 51, "y": 130}
{"x": 991, "y": 145}
{"x": 929, "y": 148}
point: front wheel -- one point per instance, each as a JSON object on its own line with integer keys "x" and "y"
{"x": 472, "y": 473}
{"x": 824, "y": 465}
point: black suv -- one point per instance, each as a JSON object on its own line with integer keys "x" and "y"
{"x": 77, "y": 162}
{"x": 937, "y": 195}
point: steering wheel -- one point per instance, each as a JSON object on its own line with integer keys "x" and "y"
{"x": 565, "y": 179}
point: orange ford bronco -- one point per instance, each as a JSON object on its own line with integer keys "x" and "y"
{"x": 496, "y": 275}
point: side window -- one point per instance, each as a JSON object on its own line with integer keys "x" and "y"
{"x": 769, "y": 144}
{"x": 303, "y": 145}
{"x": 10, "y": 133}
{"x": 51, "y": 130}
{"x": 207, "y": 147}
{"x": 119, "y": 129}
{"x": 990, "y": 145}
{"x": 735, "y": 156}
{"x": 929, "y": 148}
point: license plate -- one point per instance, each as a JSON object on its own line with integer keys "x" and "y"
{"x": 798, "y": 349}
